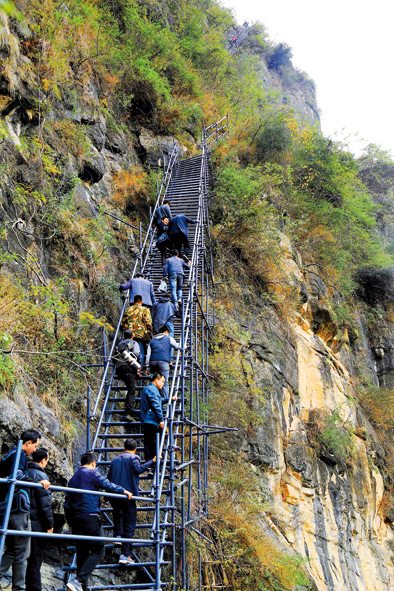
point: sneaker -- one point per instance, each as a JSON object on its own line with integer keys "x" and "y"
{"x": 127, "y": 560}
{"x": 74, "y": 585}
{"x": 118, "y": 543}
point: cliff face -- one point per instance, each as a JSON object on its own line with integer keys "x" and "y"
{"x": 322, "y": 503}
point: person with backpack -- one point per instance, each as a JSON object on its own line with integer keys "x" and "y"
{"x": 17, "y": 548}
{"x": 127, "y": 360}
{"x": 125, "y": 470}
{"x": 41, "y": 516}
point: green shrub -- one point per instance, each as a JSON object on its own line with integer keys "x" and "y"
{"x": 330, "y": 430}
{"x": 273, "y": 139}
{"x": 7, "y": 367}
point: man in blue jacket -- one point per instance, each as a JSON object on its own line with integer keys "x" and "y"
{"x": 140, "y": 286}
{"x": 159, "y": 355}
{"x": 83, "y": 516}
{"x": 124, "y": 471}
{"x": 179, "y": 232}
{"x": 152, "y": 417}
{"x": 17, "y": 548}
{"x": 174, "y": 268}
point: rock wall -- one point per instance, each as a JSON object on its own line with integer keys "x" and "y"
{"x": 326, "y": 509}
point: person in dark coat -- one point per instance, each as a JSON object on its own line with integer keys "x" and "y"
{"x": 127, "y": 358}
{"x": 124, "y": 471}
{"x": 41, "y": 516}
{"x": 17, "y": 548}
{"x": 152, "y": 417}
{"x": 164, "y": 313}
{"x": 174, "y": 268}
{"x": 163, "y": 239}
{"x": 83, "y": 516}
{"x": 179, "y": 232}
{"x": 159, "y": 355}
{"x": 163, "y": 211}
{"x": 140, "y": 286}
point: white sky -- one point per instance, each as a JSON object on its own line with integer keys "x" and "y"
{"x": 346, "y": 47}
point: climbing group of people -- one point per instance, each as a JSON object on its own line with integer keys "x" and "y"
{"x": 148, "y": 324}
{"x": 172, "y": 232}
{"x": 145, "y": 350}
{"x": 31, "y": 510}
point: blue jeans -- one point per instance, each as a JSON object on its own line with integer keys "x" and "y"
{"x": 164, "y": 368}
{"x": 141, "y": 345}
{"x": 176, "y": 282}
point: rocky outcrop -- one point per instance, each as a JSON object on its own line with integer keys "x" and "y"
{"x": 325, "y": 506}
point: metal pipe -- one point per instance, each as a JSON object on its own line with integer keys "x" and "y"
{"x": 157, "y": 502}
{"x": 72, "y": 490}
{"x": 11, "y": 491}
{"x": 88, "y": 419}
{"x": 41, "y": 534}
{"x": 120, "y": 220}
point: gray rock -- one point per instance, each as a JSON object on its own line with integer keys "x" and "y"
{"x": 93, "y": 169}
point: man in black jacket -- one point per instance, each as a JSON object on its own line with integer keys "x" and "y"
{"x": 41, "y": 517}
{"x": 17, "y": 548}
{"x": 83, "y": 515}
{"x": 124, "y": 470}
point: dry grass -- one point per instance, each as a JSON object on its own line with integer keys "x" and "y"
{"x": 7, "y": 39}
{"x": 379, "y": 406}
{"x": 243, "y": 555}
{"x": 130, "y": 188}
{"x": 9, "y": 304}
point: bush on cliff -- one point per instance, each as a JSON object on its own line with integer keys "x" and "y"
{"x": 375, "y": 286}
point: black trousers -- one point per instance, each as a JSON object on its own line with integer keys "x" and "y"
{"x": 162, "y": 246}
{"x": 89, "y": 553}
{"x": 125, "y": 519}
{"x": 150, "y": 432}
{"x": 127, "y": 375}
{"x": 33, "y": 574}
{"x": 180, "y": 239}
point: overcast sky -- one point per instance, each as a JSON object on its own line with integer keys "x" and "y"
{"x": 346, "y": 47}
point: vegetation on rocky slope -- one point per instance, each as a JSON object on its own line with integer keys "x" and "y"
{"x": 79, "y": 85}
